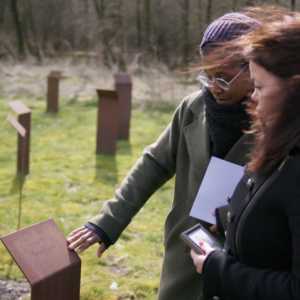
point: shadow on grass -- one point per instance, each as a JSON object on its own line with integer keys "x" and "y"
{"x": 17, "y": 184}
{"x": 106, "y": 169}
{"x": 124, "y": 147}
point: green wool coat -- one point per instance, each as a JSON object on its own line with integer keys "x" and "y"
{"x": 182, "y": 150}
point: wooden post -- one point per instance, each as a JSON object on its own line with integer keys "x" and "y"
{"x": 107, "y": 122}
{"x": 23, "y": 127}
{"x": 123, "y": 87}
{"x": 53, "y": 91}
{"x": 41, "y": 252}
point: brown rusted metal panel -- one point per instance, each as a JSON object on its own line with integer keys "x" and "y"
{"x": 107, "y": 122}
{"x": 53, "y": 91}
{"x": 123, "y": 87}
{"x": 24, "y": 145}
{"x": 41, "y": 252}
{"x": 23, "y": 125}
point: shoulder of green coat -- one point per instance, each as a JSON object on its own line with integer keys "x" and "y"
{"x": 194, "y": 102}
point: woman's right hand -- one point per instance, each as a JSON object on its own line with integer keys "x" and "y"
{"x": 82, "y": 238}
{"x": 199, "y": 259}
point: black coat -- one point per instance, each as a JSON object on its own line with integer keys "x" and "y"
{"x": 262, "y": 257}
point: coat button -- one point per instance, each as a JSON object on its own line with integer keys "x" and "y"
{"x": 216, "y": 298}
{"x": 250, "y": 183}
{"x": 229, "y": 217}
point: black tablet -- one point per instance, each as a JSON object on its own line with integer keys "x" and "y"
{"x": 195, "y": 234}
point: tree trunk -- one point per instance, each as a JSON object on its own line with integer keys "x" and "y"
{"x": 138, "y": 24}
{"x": 87, "y": 25}
{"x": 293, "y": 5}
{"x": 200, "y": 14}
{"x": 234, "y": 4}
{"x": 32, "y": 38}
{"x": 3, "y": 6}
{"x": 120, "y": 26}
{"x": 99, "y": 7}
{"x": 147, "y": 12}
{"x": 208, "y": 11}
{"x": 18, "y": 26}
{"x": 186, "y": 30}
{"x": 121, "y": 35}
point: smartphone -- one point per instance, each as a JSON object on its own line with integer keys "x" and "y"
{"x": 195, "y": 234}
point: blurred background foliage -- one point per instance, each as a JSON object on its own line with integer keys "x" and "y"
{"x": 117, "y": 32}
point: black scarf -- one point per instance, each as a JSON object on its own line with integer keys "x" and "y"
{"x": 225, "y": 124}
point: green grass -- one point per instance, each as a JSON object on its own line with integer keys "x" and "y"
{"x": 68, "y": 183}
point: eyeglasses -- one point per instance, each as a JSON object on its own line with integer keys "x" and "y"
{"x": 220, "y": 82}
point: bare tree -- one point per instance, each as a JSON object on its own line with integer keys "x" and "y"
{"x": 30, "y": 32}
{"x": 121, "y": 36}
{"x": 186, "y": 30}
{"x": 18, "y": 26}
{"x": 200, "y": 13}
{"x": 293, "y": 5}
{"x": 3, "y": 7}
{"x": 208, "y": 11}
{"x": 234, "y": 4}
{"x": 138, "y": 24}
{"x": 86, "y": 25}
{"x": 148, "y": 21}
{"x": 99, "y": 7}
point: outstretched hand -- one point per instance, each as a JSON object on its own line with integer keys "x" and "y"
{"x": 82, "y": 238}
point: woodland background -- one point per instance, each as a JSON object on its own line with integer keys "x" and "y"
{"x": 116, "y": 32}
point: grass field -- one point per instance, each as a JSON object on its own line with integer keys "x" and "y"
{"x": 68, "y": 183}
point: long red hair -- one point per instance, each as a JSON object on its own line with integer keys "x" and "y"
{"x": 276, "y": 47}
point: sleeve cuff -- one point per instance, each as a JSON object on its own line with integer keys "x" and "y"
{"x": 212, "y": 274}
{"x": 101, "y": 234}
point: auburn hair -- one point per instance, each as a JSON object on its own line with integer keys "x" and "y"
{"x": 276, "y": 47}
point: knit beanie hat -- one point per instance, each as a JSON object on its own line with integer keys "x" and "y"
{"x": 226, "y": 28}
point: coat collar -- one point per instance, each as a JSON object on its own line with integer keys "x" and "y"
{"x": 197, "y": 103}
{"x": 197, "y": 139}
{"x": 196, "y": 132}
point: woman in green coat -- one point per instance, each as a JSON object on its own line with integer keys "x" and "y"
{"x": 208, "y": 122}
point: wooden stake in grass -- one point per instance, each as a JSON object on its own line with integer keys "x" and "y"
{"x": 107, "y": 122}
{"x": 53, "y": 91}
{"x": 23, "y": 126}
{"x": 123, "y": 87}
